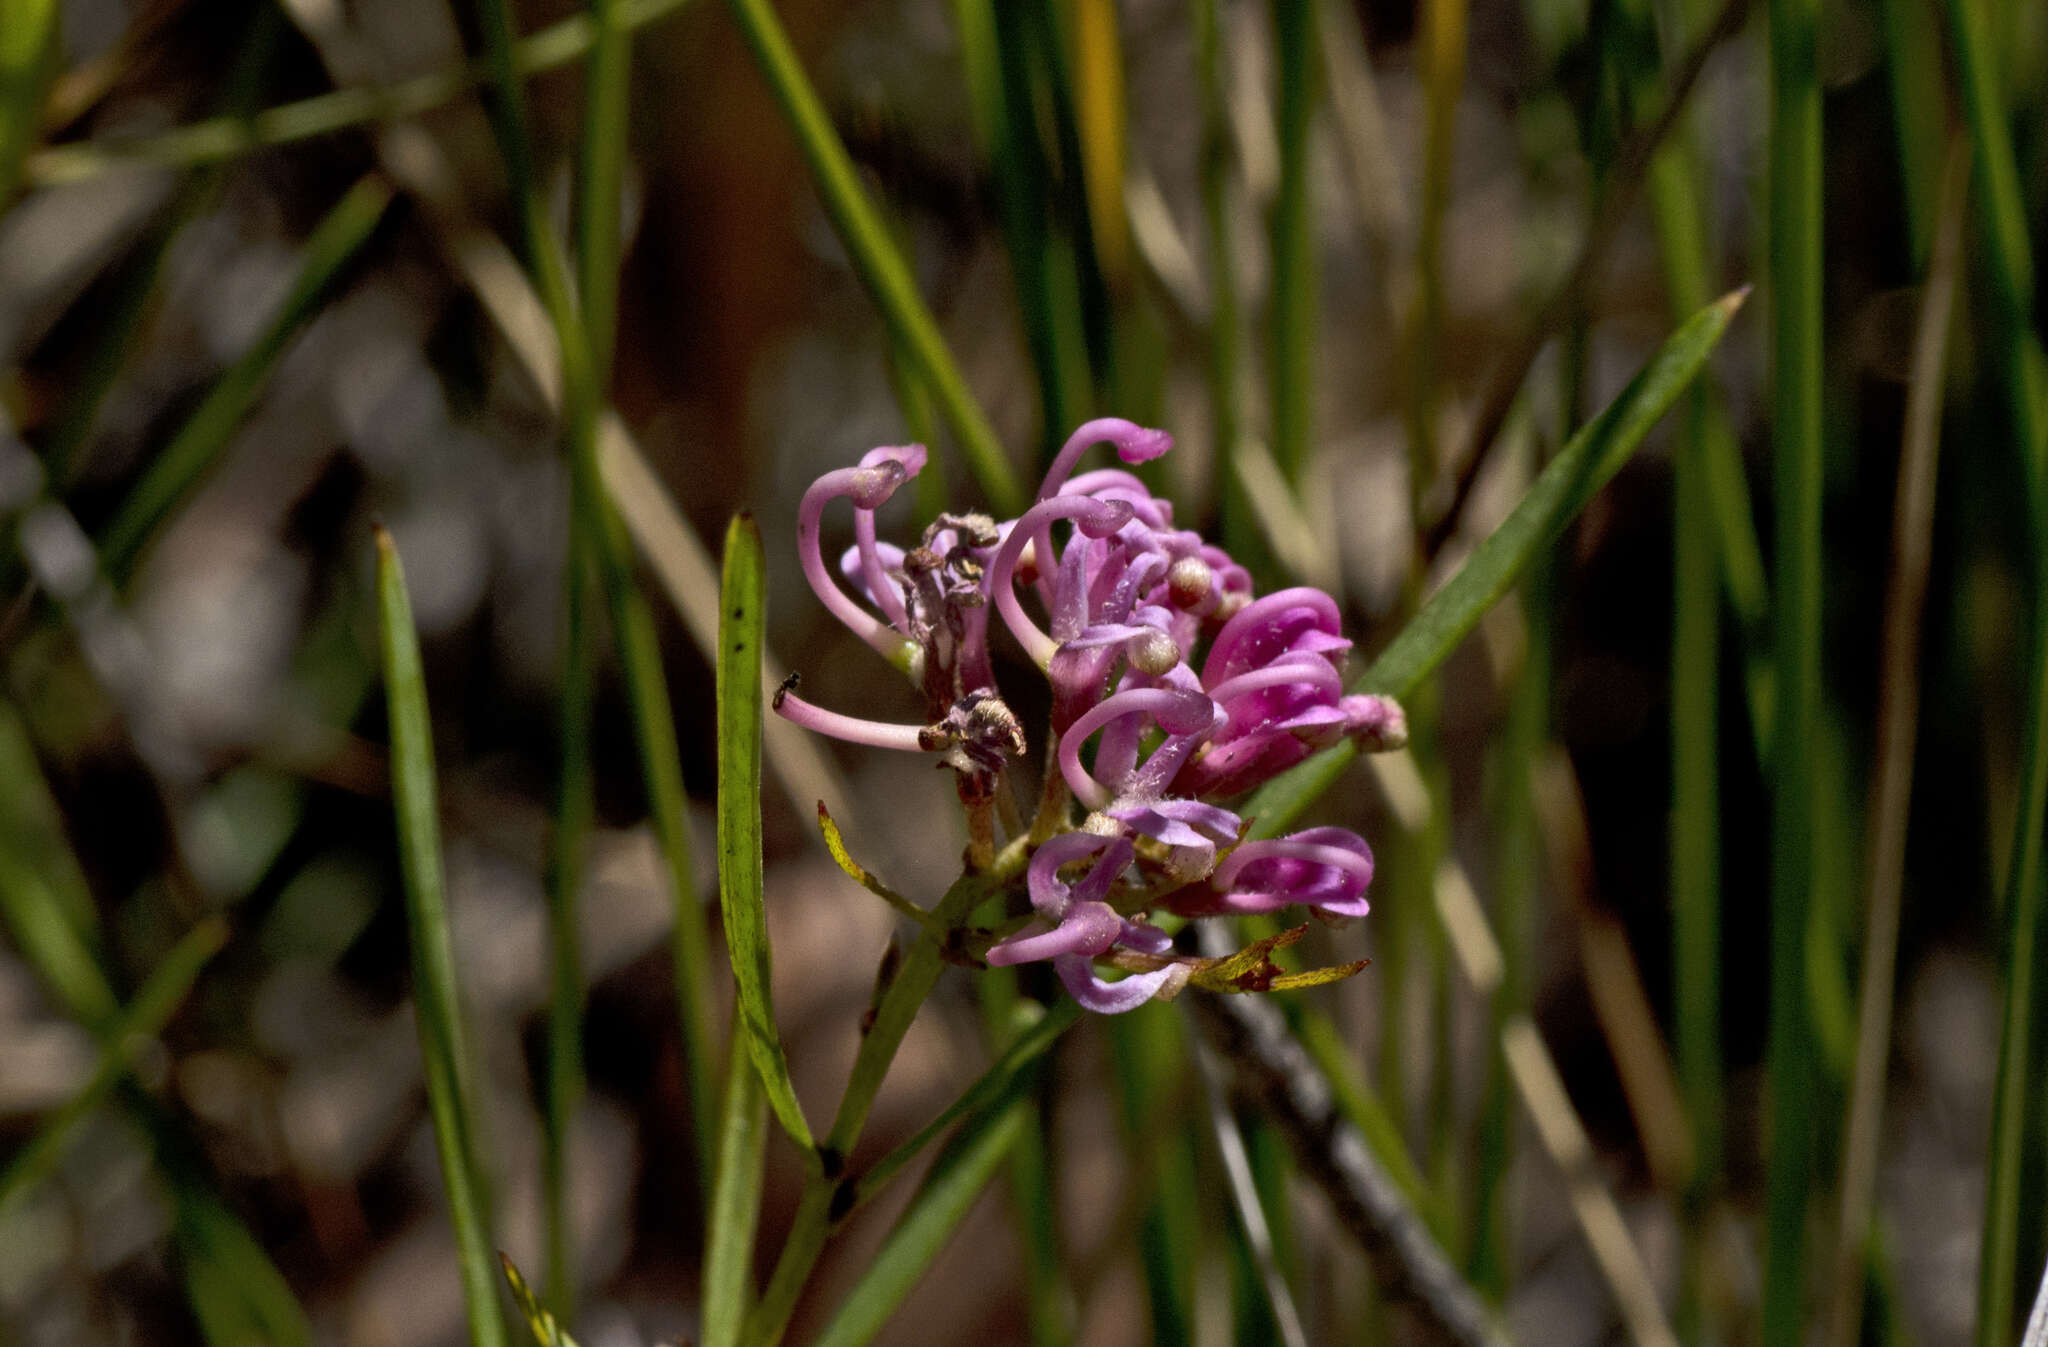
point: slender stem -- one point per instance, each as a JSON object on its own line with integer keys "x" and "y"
{"x": 1795, "y": 298}
{"x": 1443, "y": 62}
{"x": 1898, "y": 717}
{"x": 1294, "y": 252}
{"x": 632, "y": 619}
{"x": 820, "y": 1208}
{"x": 575, "y": 805}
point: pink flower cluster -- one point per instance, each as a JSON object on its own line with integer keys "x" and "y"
{"x": 1190, "y": 688}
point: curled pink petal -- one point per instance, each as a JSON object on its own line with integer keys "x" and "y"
{"x": 1089, "y": 928}
{"x": 1114, "y": 998}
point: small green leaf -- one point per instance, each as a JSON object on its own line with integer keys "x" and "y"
{"x": 741, "y": 599}
{"x": 444, "y": 1049}
{"x": 545, "y": 1330}
{"x": 1552, "y": 501}
{"x": 835, "y": 843}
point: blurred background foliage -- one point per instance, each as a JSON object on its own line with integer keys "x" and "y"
{"x": 274, "y": 271}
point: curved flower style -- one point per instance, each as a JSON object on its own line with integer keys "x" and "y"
{"x": 1326, "y": 869}
{"x": 1085, "y": 925}
{"x": 1128, "y": 603}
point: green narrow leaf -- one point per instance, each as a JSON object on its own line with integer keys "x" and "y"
{"x": 999, "y": 93}
{"x": 142, "y": 1021}
{"x": 1294, "y": 244}
{"x": 1156, "y": 1128}
{"x": 957, "y": 1178}
{"x": 632, "y": 619}
{"x": 742, "y": 594}
{"x": 237, "y": 1293}
{"x": 335, "y": 242}
{"x": 444, "y": 1050}
{"x": 882, "y": 268}
{"x": 735, "y": 1204}
{"x": 575, "y": 806}
{"x": 607, "y": 79}
{"x": 28, "y": 56}
{"x": 1578, "y": 472}
{"x": 1794, "y": 236}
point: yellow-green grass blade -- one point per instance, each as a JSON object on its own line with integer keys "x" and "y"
{"x": 444, "y": 1047}
{"x": 28, "y": 57}
{"x": 540, "y": 1321}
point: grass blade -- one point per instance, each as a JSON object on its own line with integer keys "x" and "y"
{"x": 742, "y": 595}
{"x": 236, "y": 1292}
{"x": 1594, "y": 455}
{"x": 632, "y": 619}
{"x": 575, "y": 807}
{"x": 963, "y": 1169}
{"x": 540, "y": 1321}
{"x": 882, "y": 268}
{"x": 735, "y": 1204}
{"x": 1795, "y": 297}
{"x": 199, "y": 443}
{"x": 142, "y": 1021}
{"x": 1897, "y": 721}
{"x": 992, "y": 1086}
{"x": 1443, "y": 77}
{"x": 28, "y": 57}
{"x": 444, "y": 1050}
{"x": 219, "y": 139}
{"x": 1294, "y": 250}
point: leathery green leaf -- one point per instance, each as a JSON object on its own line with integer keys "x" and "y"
{"x": 741, "y": 598}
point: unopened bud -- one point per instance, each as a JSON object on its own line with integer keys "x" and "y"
{"x": 1152, "y": 652}
{"x": 1189, "y": 581}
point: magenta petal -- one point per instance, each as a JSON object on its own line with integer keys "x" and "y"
{"x": 1109, "y": 998}
{"x": 1089, "y": 929}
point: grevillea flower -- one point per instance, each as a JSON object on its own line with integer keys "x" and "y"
{"x": 1085, "y": 925}
{"x": 1143, "y": 743}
